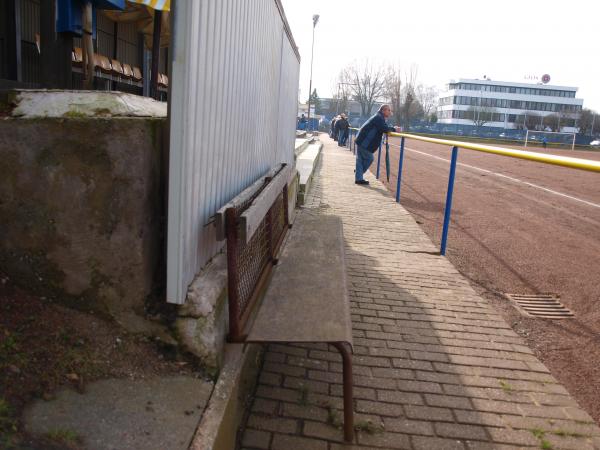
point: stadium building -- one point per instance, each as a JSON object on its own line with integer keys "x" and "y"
{"x": 510, "y": 105}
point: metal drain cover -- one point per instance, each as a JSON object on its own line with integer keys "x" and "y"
{"x": 547, "y": 306}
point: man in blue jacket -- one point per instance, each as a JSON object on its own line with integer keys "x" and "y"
{"x": 368, "y": 140}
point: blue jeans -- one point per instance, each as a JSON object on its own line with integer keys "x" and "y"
{"x": 343, "y": 135}
{"x": 364, "y": 159}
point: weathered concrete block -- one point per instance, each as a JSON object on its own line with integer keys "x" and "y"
{"x": 203, "y": 319}
{"x": 82, "y": 210}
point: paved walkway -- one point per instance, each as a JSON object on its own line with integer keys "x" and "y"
{"x": 435, "y": 366}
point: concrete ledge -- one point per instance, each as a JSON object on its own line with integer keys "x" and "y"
{"x": 202, "y": 321}
{"x": 305, "y": 164}
{"x": 28, "y": 104}
{"x": 300, "y": 145}
{"x": 230, "y": 398}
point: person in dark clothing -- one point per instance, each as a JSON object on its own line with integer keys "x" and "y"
{"x": 334, "y": 135}
{"x": 368, "y": 140}
{"x": 342, "y": 126}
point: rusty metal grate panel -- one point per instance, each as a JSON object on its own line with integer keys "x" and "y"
{"x": 546, "y": 306}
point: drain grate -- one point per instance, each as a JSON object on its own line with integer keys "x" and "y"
{"x": 547, "y": 306}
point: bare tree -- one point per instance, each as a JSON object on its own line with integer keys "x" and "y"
{"x": 366, "y": 84}
{"x": 587, "y": 118}
{"x": 341, "y": 94}
{"x": 393, "y": 91}
{"x": 534, "y": 121}
{"x": 480, "y": 115}
{"x": 428, "y": 98}
{"x": 409, "y": 96}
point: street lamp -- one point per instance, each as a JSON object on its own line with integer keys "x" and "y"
{"x": 315, "y": 20}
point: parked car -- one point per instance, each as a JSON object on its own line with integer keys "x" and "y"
{"x": 595, "y": 143}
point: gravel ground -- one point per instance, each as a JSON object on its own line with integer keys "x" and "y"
{"x": 508, "y": 236}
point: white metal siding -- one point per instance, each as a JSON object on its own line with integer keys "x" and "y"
{"x": 233, "y": 114}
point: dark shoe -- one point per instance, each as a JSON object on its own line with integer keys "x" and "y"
{"x": 364, "y": 182}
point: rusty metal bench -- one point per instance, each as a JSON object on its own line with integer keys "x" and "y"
{"x": 303, "y": 289}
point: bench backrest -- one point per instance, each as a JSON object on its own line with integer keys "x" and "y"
{"x": 254, "y": 224}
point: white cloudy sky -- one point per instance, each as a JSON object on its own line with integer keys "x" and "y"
{"x": 505, "y": 40}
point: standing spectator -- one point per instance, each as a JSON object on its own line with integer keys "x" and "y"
{"x": 342, "y": 126}
{"x": 333, "y": 129}
{"x": 368, "y": 140}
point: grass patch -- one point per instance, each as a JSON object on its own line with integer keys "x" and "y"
{"x": 506, "y": 387}
{"x": 65, "y": 437}
{"x": 333, "y": 417}
{"x": 368, "y": 427}
{"x": 545, "y": 445}
{"x": 538, "y": 433}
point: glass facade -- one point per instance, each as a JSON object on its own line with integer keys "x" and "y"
{"x": 506, "y": 103}
{"x": 512, "y": 90}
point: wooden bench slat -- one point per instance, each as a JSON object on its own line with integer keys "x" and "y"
{"x": 251, "y": 218}
{"x": 307, "y": 300}
{"x": 239, "y": 199}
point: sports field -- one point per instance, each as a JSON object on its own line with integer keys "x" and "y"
{"x": 520, "y": 227}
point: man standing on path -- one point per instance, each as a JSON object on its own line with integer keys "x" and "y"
{"x": 341, "y": 127}
{"x": 368, "y": 140}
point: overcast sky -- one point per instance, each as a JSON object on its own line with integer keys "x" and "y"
{"x": 506, "y": 41}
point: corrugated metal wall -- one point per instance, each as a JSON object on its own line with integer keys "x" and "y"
{"x": 233, "y": 115}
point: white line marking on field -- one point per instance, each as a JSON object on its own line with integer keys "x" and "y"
{"x": 515, "y": 180}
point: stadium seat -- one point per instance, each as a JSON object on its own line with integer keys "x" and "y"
{"x": 137, "y": 74}
{"x": 127, "y": 71}
{"x": 117, "y": 69}
{"x": 77, "y": 57}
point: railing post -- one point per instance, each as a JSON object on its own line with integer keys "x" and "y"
{"x": 379, "y": 159}
{"x": 400, "y": 162}
{"x": 449, "y": 200}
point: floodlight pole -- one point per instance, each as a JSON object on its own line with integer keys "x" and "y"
{"x": 315, "y": 20}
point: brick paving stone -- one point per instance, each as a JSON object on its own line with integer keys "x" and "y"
{"x": 434, "y": 362}
{"x": 454, "y": 430}
{"x": 428, "y": 413}
{"x": 269, "y": 423}
{"x": 322, "y": 430}
{"x": 430, "y": 443}
{"x": 256, "y": 439}
{"x": 517, "y": 437}
{"x": 478, "y": 445}
{"x": 382, "y": 409}
{"x": 481, "y": 418}
{"x": 286, "y": 442}
{"x": 265, "y": 406}
{"x": 385, "y": 440}
{"x": 409, "y": 426}
{"x": 296, "y": 411}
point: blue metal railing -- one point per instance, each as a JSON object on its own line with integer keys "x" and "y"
{"x": 575, "y": 163}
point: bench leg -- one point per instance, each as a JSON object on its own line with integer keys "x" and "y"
{"x": 348, "y": 399}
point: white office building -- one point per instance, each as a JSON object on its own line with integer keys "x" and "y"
{"x": 510, "y": 105}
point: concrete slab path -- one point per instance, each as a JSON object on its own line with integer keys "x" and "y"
{"x": 435, "y": 366}
{"x": 120, "y": 414}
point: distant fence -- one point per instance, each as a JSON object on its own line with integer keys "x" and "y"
{"x": 473, "y": 131}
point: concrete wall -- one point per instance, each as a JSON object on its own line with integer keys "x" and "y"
{"x": 82, "y": 206}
